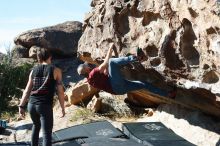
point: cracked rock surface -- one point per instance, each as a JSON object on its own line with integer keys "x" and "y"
{"x": 181, "y": 39}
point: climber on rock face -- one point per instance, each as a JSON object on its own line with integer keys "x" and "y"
{"x": 107, "y": 76}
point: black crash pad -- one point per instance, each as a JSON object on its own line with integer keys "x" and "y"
{"x": 96, "y": 129}
{"x": 109, "y": 142}
{"x": 67, "y": 143}
{"x": 153, "y": 134}
{"x": 99, "y": 142}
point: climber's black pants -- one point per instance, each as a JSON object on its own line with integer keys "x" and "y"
{"x": 42, "y": 117}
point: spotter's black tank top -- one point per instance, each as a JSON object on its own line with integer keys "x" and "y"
{"x": 43, "y": 85}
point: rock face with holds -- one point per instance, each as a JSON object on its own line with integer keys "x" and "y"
{"x": 61, "y": 39}
{"x": 180, "y": 38}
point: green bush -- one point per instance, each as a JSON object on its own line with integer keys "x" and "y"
{"x": 12, "y": 80}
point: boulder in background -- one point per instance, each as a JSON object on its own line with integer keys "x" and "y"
{"x": 61, "y": 39}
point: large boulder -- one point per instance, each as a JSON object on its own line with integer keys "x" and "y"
{"x": 19, "y": 51}
{"x": 33, "y": 51}
{"x": 81, "y": 92}
{"x": 180, "y": 38}
{"x": 61, "y": 39}
{"x": 69, "y": 70}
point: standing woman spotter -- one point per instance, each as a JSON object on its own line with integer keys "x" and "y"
{"x": 40, "y": 89}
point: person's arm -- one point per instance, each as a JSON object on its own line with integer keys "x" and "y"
{"x": 60, "y": 90}
{"x": 25, "y": 95}
{"x": 104, "y": 65}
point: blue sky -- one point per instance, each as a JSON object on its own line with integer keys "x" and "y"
{"x": 17, "y": 16}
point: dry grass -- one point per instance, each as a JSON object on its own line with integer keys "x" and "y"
{"x": 9, "y": 114}
{"x": 83, "y": 114}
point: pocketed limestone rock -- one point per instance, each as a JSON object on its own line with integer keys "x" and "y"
{"x": 180, "y": 38}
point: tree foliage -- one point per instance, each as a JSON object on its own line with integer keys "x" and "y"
{"x": 12, "y": 80}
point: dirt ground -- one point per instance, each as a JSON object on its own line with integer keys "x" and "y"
{"x": 194, "y": 126}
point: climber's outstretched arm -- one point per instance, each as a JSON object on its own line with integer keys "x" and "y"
{"x": 104, "y": 65}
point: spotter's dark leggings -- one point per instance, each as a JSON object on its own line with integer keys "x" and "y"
{"x": 42, "y": 117}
